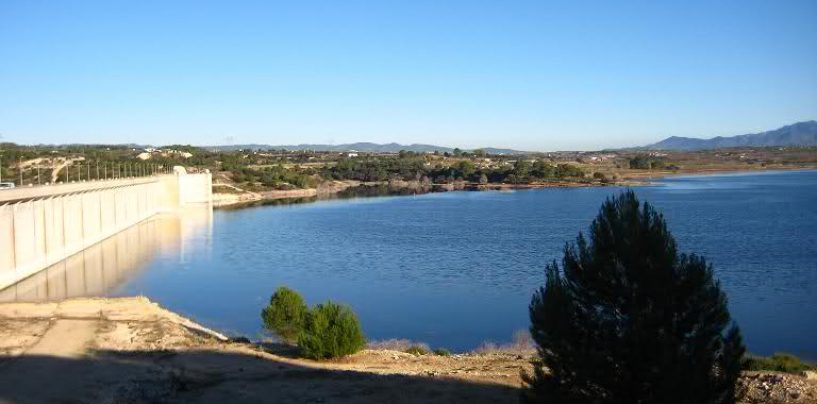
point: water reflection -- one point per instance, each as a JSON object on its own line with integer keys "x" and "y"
{"x": 101, "y": 269}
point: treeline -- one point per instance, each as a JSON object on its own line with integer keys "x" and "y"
{"x": 408, "y": 168}
{"x": 278, "y": 177}
{"x": 643, "y": 162}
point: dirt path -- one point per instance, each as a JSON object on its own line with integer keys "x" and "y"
{"x": 66, "y": 338}
{"x": 55, "y": 172}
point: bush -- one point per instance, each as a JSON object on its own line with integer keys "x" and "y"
{"x": 417, "y": 350}
{"x": 442, "y": 352}
{"x": 779, "y": 362}
{"x": 330, "y": 331}
{"x": 629, "y": 320}
{"x": 285, "y": 314}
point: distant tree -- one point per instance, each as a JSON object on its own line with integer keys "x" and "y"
{"x": 465, "y": 168}
{"x": 629, "y": 320}
{"x": 568, "y": 170}
{"x": 542, "y": 170}
{"x": 642, "y": 162}
{"x": 285, "y": 314}
{"x": 521, "y": 170}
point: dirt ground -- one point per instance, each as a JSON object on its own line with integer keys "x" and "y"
{"x": 132, "y": 350}
{"x": 129, "y": 350}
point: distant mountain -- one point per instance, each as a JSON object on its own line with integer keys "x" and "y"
{"x": 361, "y": 147}
{"x": 798, "y": 134}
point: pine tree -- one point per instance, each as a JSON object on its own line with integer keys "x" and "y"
{"x": 629, "y": 320}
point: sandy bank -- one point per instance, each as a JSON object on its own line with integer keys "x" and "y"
{"x": 131, "y": 350}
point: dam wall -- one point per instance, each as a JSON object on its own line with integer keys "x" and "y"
{"x": 40, "y": 226}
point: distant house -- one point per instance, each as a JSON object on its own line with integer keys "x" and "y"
{"x": 351, "y": 154}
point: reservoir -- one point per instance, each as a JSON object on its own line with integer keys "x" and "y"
{"x": 454, "y": 269}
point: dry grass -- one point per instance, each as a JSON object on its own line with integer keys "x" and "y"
{"x": 522, "y": 344}
{"x": 394, "y": 344}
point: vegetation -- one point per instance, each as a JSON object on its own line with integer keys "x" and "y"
{"x": 331, "y": 330}
{"x": 644, "y": 162}
{"x": 328, "y": 330}
{"x": 285, "y": 315}
{"x": 442, "y": 352}
{"x": 261, "y": 170}
{"x": 626, "y": 319}
{"x": 411, "y": 167}
{"x": 779, "y": 362}
{"x": 417, "y": 350}
{"x": 276, "y": 177}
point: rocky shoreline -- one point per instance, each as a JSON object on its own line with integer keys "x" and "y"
{"x": 348, "y": 189}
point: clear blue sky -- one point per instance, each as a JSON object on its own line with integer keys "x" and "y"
{"x": 531, "y": 75}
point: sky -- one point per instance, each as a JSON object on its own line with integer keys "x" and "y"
{"x": 529, "y": 75}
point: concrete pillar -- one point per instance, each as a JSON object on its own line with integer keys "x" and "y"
{"x": 7, "y": 248}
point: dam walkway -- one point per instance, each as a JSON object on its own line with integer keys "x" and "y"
{"x": 42, "y": 225}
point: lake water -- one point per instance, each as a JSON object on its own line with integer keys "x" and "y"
{"x": 455, "y": 269}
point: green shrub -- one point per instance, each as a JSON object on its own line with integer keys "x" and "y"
{"x": 442, "y": 352}
{"x": 779, "y": 362}
{"x": 285, "y": 314}
{"x": 330, "y": 331}
{"x": 417, "y": 350}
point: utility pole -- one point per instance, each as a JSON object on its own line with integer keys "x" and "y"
{"x": 1, "y": 163}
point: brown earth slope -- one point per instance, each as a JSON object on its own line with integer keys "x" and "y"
{"x": 131, "y": 350}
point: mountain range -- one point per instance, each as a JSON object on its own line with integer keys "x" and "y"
{"x": 360, "y": 146}
{"x": 798, "y": 134}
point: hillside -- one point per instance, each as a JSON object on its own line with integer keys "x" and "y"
{"x": 798, "y": 134}
{"x": 360, "y": 146}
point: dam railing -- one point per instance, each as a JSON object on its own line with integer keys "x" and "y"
{"x": 42, "y": 225}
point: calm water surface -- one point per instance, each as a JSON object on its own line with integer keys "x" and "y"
{"x": 457, "y": 269}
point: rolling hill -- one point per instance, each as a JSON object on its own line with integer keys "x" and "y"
{"x": 360, "y": 146}
{"x": 798, "y": 134}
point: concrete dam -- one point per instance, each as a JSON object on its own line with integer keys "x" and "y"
{"x": 43, "y": 225}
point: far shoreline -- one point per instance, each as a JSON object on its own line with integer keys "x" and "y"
{"x": 405, "y": 188}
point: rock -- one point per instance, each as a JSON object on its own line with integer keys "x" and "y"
{"x": 809, "y": 374}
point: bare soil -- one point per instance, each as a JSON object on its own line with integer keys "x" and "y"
{"x": 130, "y": 350}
